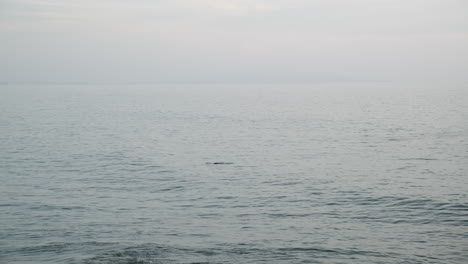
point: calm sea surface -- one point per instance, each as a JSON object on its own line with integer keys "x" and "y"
{"x": 233, "y": 174}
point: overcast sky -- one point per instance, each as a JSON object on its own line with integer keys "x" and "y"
{"x": 143, "y": 41}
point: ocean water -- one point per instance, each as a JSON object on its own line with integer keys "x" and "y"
{"x": 233, "y": 174}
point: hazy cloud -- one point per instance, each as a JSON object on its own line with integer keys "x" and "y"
{"x": 233, "y": 41}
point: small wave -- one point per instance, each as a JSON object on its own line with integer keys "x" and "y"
{"x": 166, "y": 171}
{"x": 418, "y": 159}
{"x": 226, "y": 197}
{"x": 405, "y": 210}
{"x": 46, "y": 207}
{"x": 336, "y": 251}
{"x": 288, "y": 215}
{"x": 149, "y": 253}
{"x": 56, "y": 247}
{"x": 173, "y": 188}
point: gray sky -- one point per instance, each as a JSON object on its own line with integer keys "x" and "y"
{"x": 143, "y": 41}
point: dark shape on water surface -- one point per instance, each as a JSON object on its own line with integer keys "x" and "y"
{"x": 219, "y": 163}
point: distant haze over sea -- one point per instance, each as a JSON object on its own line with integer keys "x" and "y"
{"x": 233, "y": 41}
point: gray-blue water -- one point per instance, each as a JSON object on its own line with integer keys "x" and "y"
{"x": 233, "y": 174}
